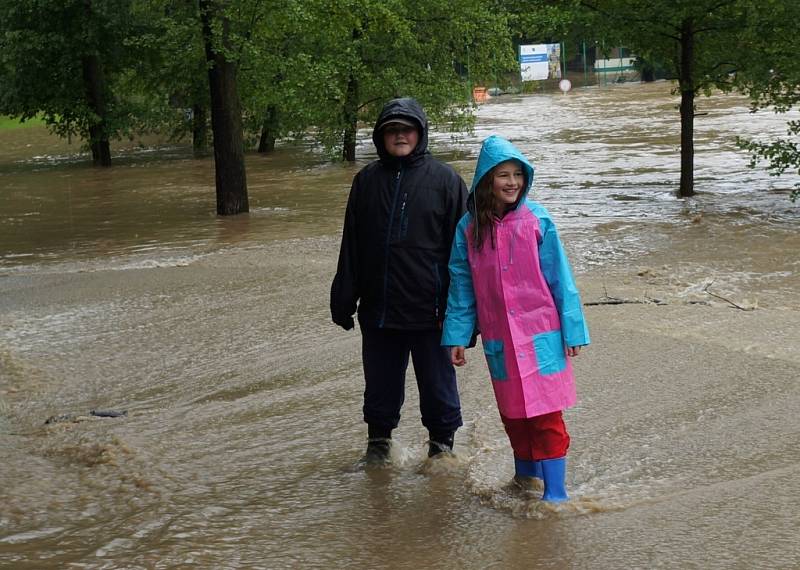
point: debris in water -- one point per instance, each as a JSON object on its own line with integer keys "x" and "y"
{"x": 109, "y": 413}
{"x": 77, "y": 418}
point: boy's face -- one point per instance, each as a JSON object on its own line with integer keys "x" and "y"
{"x": 400, "y": 140}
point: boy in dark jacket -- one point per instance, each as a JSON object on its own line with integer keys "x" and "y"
{"x": 401, "y": 217}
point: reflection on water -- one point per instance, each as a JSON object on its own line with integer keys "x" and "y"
{"x": 121, "y": 289}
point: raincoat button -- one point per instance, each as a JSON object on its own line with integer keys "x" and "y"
{"x": 511, "y": 312}
{"x": 505, "y": 268}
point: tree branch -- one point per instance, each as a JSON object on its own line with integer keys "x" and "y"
{"x": 622, "y": 19}
{"x": 365, "y": 103}
{"x": 706, "y": 290}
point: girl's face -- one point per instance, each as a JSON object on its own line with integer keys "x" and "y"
{"x": 507, "y": 183}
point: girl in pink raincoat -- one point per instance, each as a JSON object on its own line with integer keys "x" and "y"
{"x": 510, "y": 279}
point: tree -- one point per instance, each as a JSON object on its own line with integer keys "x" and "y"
{"x": 269, "y": 50}
{"x": 542, "y": 21}
{"x": 64, "y": 60}
{"x": 171, "y": 82}
{"x": 770, "y": 74}
{"x": 338, "y": 61}
{"x": 697, "y": 41}
{"x": 226, "y": 111}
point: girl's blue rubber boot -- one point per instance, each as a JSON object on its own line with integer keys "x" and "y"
{"x": 527, "y": 468}
{"x": 554, "y": 472}
{"x": 528, "y": 474}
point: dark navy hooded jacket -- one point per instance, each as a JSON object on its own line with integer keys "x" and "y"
{"x": 398, "y": 230}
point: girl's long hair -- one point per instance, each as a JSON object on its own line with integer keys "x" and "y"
{"x": 485, "y": 207}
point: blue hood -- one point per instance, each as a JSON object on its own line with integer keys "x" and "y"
{"x": 496, "y": 149}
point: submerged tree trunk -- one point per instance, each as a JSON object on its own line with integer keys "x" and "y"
{"x": 199, "y": 131}
{"x": 687, "y": 144}
{"x": 648, "y": 73}
{"x": 350, "y": 112}
{"x": 350, "y": 116}
{"x": 269, "y": 130}
{"x": 94, "y": 86}
{"x": 687, "y": 110}
{"x": 226, "y": 119}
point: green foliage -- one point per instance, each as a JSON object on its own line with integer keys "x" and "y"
{"x": 544, "y": 21}
{"x": 43, "y": 44}
{"x": 770, "y": 74}
{"x": 172, "y": 77}
{"x": 781, "y": 155}
{"x": 296, "y": 61}
{"x": 313, "y": 50}
{"x": 748, "y": 45}
{"x": 653, "y": 30}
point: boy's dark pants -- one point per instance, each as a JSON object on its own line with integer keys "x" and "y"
{"x": 385, "y": 357}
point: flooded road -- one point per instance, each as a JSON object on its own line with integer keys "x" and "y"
{"x": 121, "y": 289}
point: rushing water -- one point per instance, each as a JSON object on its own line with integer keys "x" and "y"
{"x": 120, "y": 289}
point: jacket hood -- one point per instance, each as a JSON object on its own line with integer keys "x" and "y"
{"x": 494, "y": 150}
{"x": 403, "y": 108}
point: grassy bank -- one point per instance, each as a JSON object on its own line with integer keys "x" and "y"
{"x": 8, "y": 123}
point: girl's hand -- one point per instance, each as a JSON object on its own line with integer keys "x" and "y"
{"x": 573, "y": 350}
{"x": 457, "y": 356}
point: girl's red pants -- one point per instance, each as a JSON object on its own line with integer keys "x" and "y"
{"x": 540, "y": 437}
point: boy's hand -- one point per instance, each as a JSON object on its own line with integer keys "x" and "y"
{"x": 346, "y": 321}
{"x": 573, "y": 350}
{"x": 457, "y": 356}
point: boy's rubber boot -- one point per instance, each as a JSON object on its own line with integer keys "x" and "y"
{"x": 554, "y": 472}
{"x": 379, "y": 445}
{"x": 378, "y": 451}
{"x": 440, "y": 443}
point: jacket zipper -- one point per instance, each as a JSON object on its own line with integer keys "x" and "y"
{"x": 438, "y": 291}
{"x": 388, "y": 241}
{"x": 403, "y": 222}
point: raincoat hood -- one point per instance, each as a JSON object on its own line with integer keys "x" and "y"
{"x": 496, "y": 149}
{"x": 403, "y": 108}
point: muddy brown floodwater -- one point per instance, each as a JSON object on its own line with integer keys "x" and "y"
{"x": 120, "y": 289}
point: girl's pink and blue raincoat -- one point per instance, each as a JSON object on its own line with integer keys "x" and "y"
{"x": 521, "y": 296}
